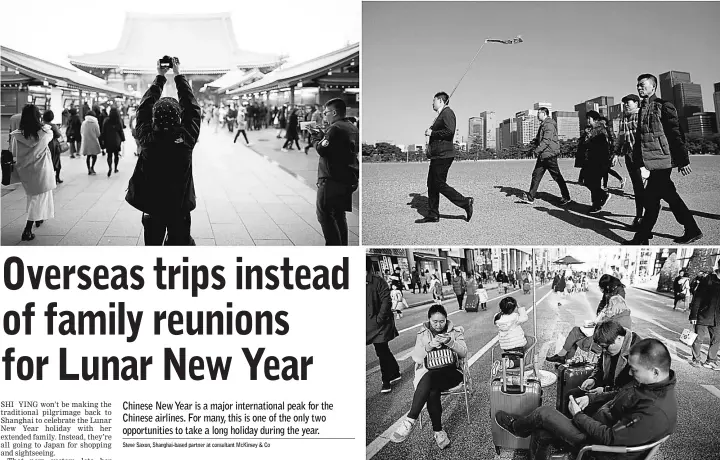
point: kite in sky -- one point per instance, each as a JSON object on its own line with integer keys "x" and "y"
{"x": 512, "y": 41}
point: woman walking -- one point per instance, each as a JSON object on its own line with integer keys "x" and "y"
{"x": 90, "y": 132}
{"x": 73, "y": 132}
{"x": 113, "y": 136}
{"x": 54, "y": 145}
{"x": 29, "y": 145}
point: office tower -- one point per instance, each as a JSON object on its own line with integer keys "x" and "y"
{"x": 600, "y": 104}
{"x": 527, "y": 126}
{"x": 568, "y": 124}
{"x": 547, "y": 105}
{"x": 716, "y": 100}
{"x": 476, "y": 131}
{"x": 702, "y": 123}
{"x": 509, "y": 132}
{"x": 688, "y": 98}
{"x": 490, "y": 129}
{"x": 668, "y": 80}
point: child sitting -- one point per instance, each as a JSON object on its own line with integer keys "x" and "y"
{"x": 482, "y": 297}
{"x": 398, "y": 301}
{"x": 511, "y": 334}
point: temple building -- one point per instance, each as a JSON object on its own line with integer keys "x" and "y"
{"x": 204, "y": 43}
{"x": 316, "y": 81}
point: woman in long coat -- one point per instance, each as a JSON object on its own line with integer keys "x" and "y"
{"x": 113, "y": 136}
{"x": 90, "y": 147}
{"x": 29, "y": 144}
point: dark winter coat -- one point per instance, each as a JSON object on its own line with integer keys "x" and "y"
{"x": 338, "y": 151}
{"x": 73, "y": 129}
{"x": 54, "y": 146}
{"x": 659, "y": 143}
{"x": 622, "y": 376}
{"x": 162, "y": 183}
{"x": 546, "y": 141}
{"x": 112, "y": 135}
{"x": 292, "y": 127}
{"x": 635, "y": 415}
{"x": 441, "y": 139}
{"x": 597, "y": 150}
{"x": 705, "y": 306}
{"x": 380, "y": 321}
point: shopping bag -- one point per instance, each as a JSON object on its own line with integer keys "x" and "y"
{"x": 688, "y": 337}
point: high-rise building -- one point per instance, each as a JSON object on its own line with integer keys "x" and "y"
{"x": 716, "y": 100}
{"x": 615, "y": 114}
{"x": 476, "y": 131}
{"x": 668, "y": 80}
{"x": 509, "y": 132}
{"x": 568, "y": 125}
{"x": 498, "y": 139}
{"x": 547, "y": 105}
{"x": 702, "y": 123}
{"x": 600, "y": 104}
{"x": 527, "y": 126}
{"x": 688, "y": 98}
{"x": 490, "y": 129}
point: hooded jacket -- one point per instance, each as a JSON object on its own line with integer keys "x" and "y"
{"x": 162, "y": 183}
{"x": 90, "y": 133}
{"x": 33, "y": 160}
{"x": 635, "y": 415}
{"x": 422, "y": 346}
{"x": 511, "y": 334}
{"x": 622, "y": 376}
{"x": 546, "y": 141}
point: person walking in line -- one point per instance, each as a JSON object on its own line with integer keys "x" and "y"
{"x": 91, "y": 141}
{"x": 292, "y": 132}
{"x": 380, "y": 327}
{"x": 241, "y": 126}
{"x": 29, "y": 145}
{"x": 597, "y": 160}
{"x": 113, "y": 136}
{"x": 459, "y": 287}
{"x": 415, "y": 280}
{"x": 613, "y": 159}
{"x": 660, "y": 147}
{"x": 624, "y": 145}
{"x": 681, "y": 289}
{"x": 441, "y": 152}
{"x": 705, "y": 317}
{"x": 546, "y": 148}
{"x": 54, "y": 145}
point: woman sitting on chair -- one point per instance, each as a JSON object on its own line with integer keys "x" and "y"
{"x": 612, "y": 306}
{"x": 435, "y": 334}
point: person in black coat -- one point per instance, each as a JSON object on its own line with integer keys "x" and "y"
{"x": 292, "y": 132}
{"x": 597, "y": 160}
{"x": 73, "y": 132}
{"x": 380, "y": 326}
{"x": 162, "y": 184}
{"x": 705, "y": 316}
{"x": 113, "y": 136}
{"x": 54, "y": 145}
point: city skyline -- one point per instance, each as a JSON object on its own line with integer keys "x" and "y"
{"x": 397, "y": 103}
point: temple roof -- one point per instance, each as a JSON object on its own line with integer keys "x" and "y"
{"x": 55, "y": 74}
{"x": 205, "y": 43}
{"x": 233, "y": 79}
{"x": 313, "y": 68}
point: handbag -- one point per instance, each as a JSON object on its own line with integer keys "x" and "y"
{"x": 63, "y": 146}
{"x": 440, "y": 358}
{"x": 688, "y": 337}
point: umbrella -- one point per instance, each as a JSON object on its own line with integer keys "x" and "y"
{"x": 568, "y": 260}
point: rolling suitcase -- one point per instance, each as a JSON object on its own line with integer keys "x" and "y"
{"x": 472, "y": 303}
{"x": 570, "y": 377}
{"x": 517, "y": 396}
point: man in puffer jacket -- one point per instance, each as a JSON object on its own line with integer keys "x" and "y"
{"x": 660, "y": 147}
{"x": 547, "y": 149}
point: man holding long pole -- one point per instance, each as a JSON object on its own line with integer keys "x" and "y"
{"x": 441, "y": 152}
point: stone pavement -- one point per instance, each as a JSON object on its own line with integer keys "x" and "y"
{"x": 242, "y": 199}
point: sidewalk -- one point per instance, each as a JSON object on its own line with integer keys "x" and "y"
{"x": 651, "y": 286}
{"x": 419, "y": 299}
{"x": 304, "y": 167}
{"x": 242, "y": 199}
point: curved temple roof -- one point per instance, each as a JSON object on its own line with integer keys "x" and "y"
{"x": 205, "y": 43}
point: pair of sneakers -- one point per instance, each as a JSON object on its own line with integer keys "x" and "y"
{"x": 712, "y": 365}
{"x": 387, "y": 387}
{"x": 526, "y": 198}
{"x": 406, "y": 427}
{"x": 596, "y": 209}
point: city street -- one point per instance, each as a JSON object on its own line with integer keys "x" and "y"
{"x": 698, "y": 389}
{"x": 245, "y": 196}
{"x": 395, "y": 196}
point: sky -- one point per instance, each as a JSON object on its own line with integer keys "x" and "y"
{"x": 295, "y": 28}
{"x": 573, "y": 51}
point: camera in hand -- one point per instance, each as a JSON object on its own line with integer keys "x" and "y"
{"x": 166, "y": 61}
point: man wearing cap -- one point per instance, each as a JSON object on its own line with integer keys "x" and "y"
{"x": 162, "y": 184}
{"x": 660, "y": 147}
{"x": 624, "y": 145}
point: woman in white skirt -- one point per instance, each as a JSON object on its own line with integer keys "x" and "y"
{"x": 29, "y": 145}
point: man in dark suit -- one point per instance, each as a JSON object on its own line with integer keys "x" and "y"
{"x": 441, "y": 152}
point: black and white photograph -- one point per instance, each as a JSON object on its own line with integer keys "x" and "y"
{"x": 550, "y": 353}
{"x": 560, "y": 123}
{"x": 208, "y": 123}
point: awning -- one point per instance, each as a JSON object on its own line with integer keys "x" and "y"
{"x": 420, "y": 255}
{"x": 386, "y": 252}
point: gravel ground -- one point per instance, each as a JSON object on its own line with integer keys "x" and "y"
{"x": 395, "y": 196}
